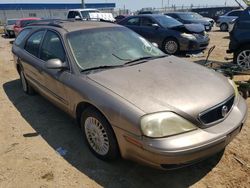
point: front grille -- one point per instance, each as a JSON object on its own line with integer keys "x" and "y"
{"x": 217, "y": 113}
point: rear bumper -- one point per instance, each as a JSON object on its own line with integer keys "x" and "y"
{"x": 183, "y": 149}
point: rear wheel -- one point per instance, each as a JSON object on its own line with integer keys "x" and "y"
{"x": 99, "y": 135}
{"x": 171, "y": 46}
{"x": 242, "y": 58}
{"x": 25, "y": 85}
{"x": 224, "y": 27}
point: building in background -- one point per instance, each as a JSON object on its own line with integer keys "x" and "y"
{"x": 48, "y": 10}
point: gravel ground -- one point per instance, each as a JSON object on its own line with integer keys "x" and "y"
{"x": 32, "y": 129}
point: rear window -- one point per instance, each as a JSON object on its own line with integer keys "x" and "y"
{"x": 27, "y": 22}
{"x": 11, "y": 22}
{"x": 21, "y": 36}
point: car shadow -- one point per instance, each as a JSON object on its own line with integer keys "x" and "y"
{"x": 61, "y": 132}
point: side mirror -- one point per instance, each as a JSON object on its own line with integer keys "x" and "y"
{"x": 77, "y": 18}
{"x": 156, "y": 26}
{"x": 55, "y": 64}
{"x": 155, "y": 45}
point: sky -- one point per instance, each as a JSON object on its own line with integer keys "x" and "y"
{"x": 134, "y": 4}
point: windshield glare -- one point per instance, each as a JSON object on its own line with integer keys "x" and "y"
{"x": 168, "y": 22}
{"x": 109, "y": 47}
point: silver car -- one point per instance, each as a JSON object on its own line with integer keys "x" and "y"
{"x": 224, "y": 21}
{"x": 129, "y": 98}
{"x": 8, "y": 27}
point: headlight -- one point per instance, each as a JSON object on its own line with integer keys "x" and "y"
{"x": 188, "y": 36}
{"x": 234, "y": 86}
{"x": 164, "y": 124}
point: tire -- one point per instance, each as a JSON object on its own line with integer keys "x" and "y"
{"x": 171, "y": 46}
{"x": 242, "y": 57}
{"x": 25, "y": 85}
{"x": 99, "y": 135}
{"x": 224, "y": 27}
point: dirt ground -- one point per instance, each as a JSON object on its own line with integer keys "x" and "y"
{"x": 32, "y": 129}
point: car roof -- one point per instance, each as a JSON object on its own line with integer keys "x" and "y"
{"x": 70, "y": 25}
{"x": 180, "y": 12}
{"x": 13, "y": 19}
{"x": 148, "y": 15}
{"x": 31, "y": 18}
{"x": 83, "y": 9}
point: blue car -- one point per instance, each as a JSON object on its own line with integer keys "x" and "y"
{"x": 169, "y": 34}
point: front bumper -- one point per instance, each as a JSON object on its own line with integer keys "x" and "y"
{"x": 185, "y": 148}
{"x": 199, "y": 44}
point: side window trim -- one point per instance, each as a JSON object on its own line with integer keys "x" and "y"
{"x": 63, "y": 45}
{"x": 39, "y": 44}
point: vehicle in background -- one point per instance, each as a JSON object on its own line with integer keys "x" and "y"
{"x": 149, "y": 12}
{"x": 9, "y": 27}
{"x": 224, "y": 21}
{"x": 231, "y": 25}
{"x": 119, "y": 18}
{"x": 171, "y": 35}
{"x": 129, "y": 98}
{"x": 240, "y": 40}
{"x": 192, "y": 18}
{"x": 23, "y": 22}
{"x": 90, "y": 14}
{"x": 214, "y": 12}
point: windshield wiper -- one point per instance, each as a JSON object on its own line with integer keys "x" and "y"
{"x": 101, "y": 67}
{"x": 120, "y": 58}
{"x": 144, "y": 58}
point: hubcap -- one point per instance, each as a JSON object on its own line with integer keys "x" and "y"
{"x": 243, "y": 59}
{"x": 223, "y": 27}
{"x": 23, "y": 81}
{"x": 171, "y": 47}
{"x": 96, "y": 136}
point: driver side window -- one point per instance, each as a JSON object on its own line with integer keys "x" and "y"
{"x": 147, "y": 22}
{"x": 52, "y": 47}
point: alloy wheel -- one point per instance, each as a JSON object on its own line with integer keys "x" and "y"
{"x": 243, "y": 59}
{"x": 96, "y": 136}
{"x": 171, "y": 47}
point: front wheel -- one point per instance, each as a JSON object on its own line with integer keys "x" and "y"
{"x": 242, "y": 58}
{"x": 171, "y": 46}
{"x": 99, "y": 135}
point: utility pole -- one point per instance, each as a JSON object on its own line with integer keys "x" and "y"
{"x": 83, "y": 4}
{"x": 162, "y": 4}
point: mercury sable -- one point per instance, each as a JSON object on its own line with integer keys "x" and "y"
{"x": 130, "y": 99}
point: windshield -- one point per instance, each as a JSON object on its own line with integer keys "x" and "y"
{"x": 168, "y": 22}
{"x": 109, "y": 47}
{"x": 190, "y": 16}
{"x": 11, "y": 22}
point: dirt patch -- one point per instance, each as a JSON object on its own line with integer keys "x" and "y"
{"x": 48, "y": 176}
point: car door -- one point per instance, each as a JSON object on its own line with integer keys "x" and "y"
{"x": 30, "y": 61}
{"x": 134, "y": 24}
{"x": 233, "y": 15}
{"x": 149, "y": 29}
{"x": 52, "y": 48}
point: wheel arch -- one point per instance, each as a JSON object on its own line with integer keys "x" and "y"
{"x": 83, "y": 106}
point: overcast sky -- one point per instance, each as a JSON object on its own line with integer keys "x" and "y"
{"x": 133, "y": 4}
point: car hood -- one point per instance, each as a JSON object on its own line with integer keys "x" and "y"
{"x": 167, "y": 84}
{"x": 208, "y": 19}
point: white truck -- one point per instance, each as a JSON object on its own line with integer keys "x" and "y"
{"x": 90, "y": 14}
